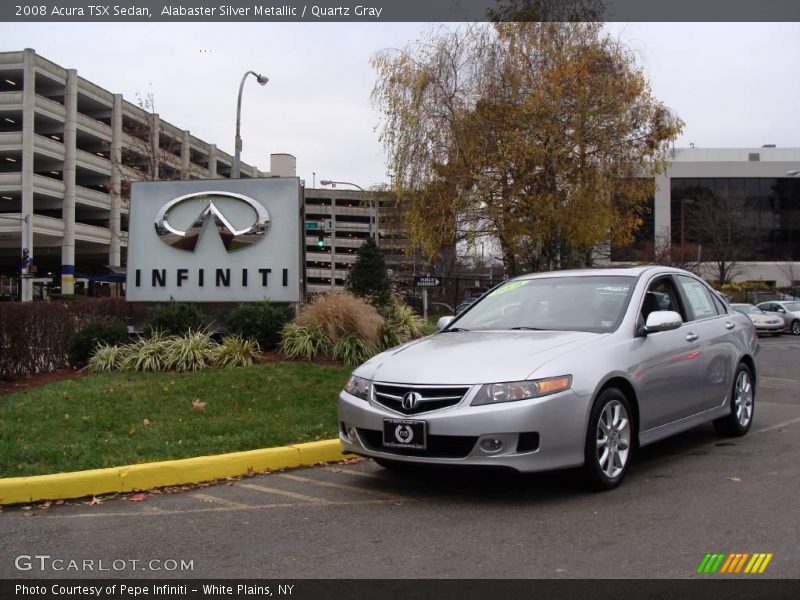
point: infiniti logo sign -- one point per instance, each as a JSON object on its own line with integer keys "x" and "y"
{"x": 233, "y": 239}
{"x": 410, "y": 400}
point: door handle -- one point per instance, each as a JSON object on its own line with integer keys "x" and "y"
{"x": 691, "y": 337}
{"x": 729, "y": 325}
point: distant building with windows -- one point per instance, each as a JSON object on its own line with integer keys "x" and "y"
{"x": 338, "y": 222}
{"x": 757, "y": 179}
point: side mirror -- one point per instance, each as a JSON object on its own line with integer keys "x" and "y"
{"x": 662, "y": 320}
{"x": 780, "y": 310}
{"x": 443, "y": 322}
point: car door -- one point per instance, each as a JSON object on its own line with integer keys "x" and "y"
{"x": 668, "y": 373}
{"x": 715, "y": 330}
{"x": 773, "y": 309}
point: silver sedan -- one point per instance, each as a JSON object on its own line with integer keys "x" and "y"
{"x": 557, "y": 370}
{"x": 788, "y": 310}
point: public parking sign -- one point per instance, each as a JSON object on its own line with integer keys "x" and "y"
{"x": 427, "y": 281}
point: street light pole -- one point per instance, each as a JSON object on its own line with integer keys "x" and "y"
{"x": 262, "y": 80}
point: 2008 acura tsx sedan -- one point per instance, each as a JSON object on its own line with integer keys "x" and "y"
{"x": 558, "y": 370}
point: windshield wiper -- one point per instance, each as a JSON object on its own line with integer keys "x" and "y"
{"x": 522, "y": 328}
{"x": 454, "y": 329}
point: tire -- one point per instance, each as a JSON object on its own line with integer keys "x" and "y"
{"x": 795, "y": 327}
{"x": 742, "y": 402}
{"x": 607, "y": 454}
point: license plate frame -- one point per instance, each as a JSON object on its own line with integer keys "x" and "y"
{"x": 395, "y": 431}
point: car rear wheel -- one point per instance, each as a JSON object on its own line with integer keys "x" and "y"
{"x": 609, "y": 440}
{"x": 743, "y": 398}
{"x": 796, "y": 327}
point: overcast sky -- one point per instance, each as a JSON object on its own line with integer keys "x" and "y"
{"x": 733, "y": 84}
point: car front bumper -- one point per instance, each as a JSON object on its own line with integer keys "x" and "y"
{"x": 770, "y": 328}
{"x": 536, "y": 435}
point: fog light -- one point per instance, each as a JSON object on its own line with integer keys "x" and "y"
{"x": 351, "y": 432}
{"x": 491, "y": 445}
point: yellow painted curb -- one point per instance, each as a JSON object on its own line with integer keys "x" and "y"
{"x": 62, "y": 486}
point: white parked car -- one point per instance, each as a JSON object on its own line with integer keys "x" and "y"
{"x": 765, "y": 323}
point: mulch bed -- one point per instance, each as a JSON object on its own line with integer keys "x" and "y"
{"x": 18, "y": 385}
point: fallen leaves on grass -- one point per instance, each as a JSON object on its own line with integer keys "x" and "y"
{"x": 198, "y": 404}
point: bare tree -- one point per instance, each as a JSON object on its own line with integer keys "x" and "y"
{"x": 720, "y": 226}
{"x": 661, "y": 251}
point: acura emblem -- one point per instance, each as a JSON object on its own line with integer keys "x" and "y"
{"x": 233, "y": 239}
{"x": 410, "y": 400}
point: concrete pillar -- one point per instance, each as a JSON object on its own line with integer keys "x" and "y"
{"x": 28, "y": 107}
{"x": 155, "y": 148}
{"x": 68, "y": 207}
{"x": 212, "y": 161}
{"x": 186, "y": 145}
{"x": 115, "y": 220}
{"x": 662, "y": 209}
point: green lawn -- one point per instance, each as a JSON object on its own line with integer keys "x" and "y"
{"x": 127, "y": 418}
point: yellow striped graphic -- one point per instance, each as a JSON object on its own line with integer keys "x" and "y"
{"x": 764, "y": 564}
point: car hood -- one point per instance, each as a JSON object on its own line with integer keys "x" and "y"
{"x": 472, "y": 357}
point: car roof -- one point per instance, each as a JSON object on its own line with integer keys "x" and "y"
{"x": 605, "y": 272}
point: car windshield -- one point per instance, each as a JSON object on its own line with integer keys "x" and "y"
{"x": 579, "y": 303}
{"x": 748, "y": 309}
{"x": 792, "y": 306}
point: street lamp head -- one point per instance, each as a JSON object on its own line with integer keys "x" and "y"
{"x": 262, "y": 79}
{"x": 325, "y": 182}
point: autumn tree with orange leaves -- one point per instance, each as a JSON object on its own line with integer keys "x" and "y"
{"x": 544, "y": 136}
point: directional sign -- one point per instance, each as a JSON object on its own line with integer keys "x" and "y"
{"x": 312, "y": 225}
{"x": 427, "y": 281}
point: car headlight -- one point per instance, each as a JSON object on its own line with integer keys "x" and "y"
{"x": 494, "y": 393}
{"x": 358, "y": 386}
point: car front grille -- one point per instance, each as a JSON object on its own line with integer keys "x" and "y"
{"x": 438, "y": 446}
{"x": 428, "y": 398}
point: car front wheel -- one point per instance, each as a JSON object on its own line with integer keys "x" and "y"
{"x": 609, "y": 440}
{"x": 796, "y": 327}
{"x": 743, "y": 396}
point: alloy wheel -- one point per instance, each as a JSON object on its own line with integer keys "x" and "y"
{"x": 613, "y": 439}
{"x": 796, "y": 327}
{"x": 743, "y": 398}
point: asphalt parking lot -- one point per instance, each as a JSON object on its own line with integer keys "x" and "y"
{"x": 685, "y": 497}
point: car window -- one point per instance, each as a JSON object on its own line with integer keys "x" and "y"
{"x": 698, "y": 298}
{"x": 579, "y": 303}
{"x": 792, "y": 306}
{"x": 721, "y": 309}
{"x": 660, "y": 295}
